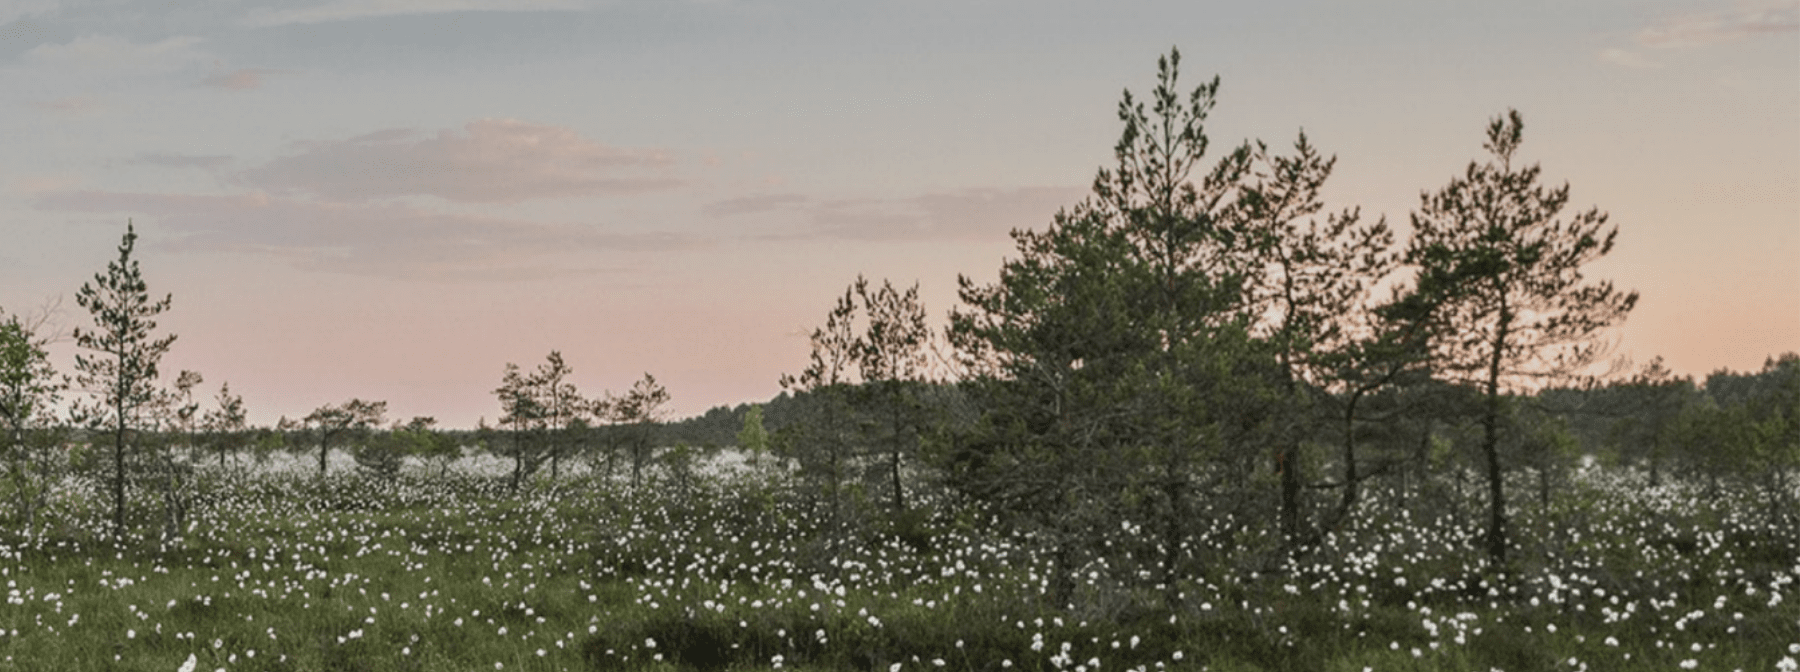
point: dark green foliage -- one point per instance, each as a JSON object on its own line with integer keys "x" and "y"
{"x": 121, "y": 372}
{"x": 29, "y": 392}
{"x": 1307, "y": 283}
{"x": 1113, "y": 360}
{"x": 225, "y": 424}
{"x": 384, "y": 453}
{"x": 753, "y": 439}
{"x": 546, "y": 417}
{"x": 1521, "y": 311}
{"x": 523, "y": 415}
{"x": 640, "y": 414}
{"x": 349, "y": 422}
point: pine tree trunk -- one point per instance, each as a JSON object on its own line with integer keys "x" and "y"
{"x": 1350, "y": 475}
{"x": 1285, "y": 460}
{"x": 1172, "y": 537}
{"x": 1544, "y": 487}
{"x": 119, "y": 476}
{"x": 1062, "y": 579}
{"x": 1490, "y": 446}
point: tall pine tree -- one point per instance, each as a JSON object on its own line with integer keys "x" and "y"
{"x": 1522, "y": 313}
{"x": 121, "y": 370}
{"x": 1122, "y": 363}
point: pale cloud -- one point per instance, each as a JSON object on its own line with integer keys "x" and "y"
{"x": 76, "y": 105}
{"x": 1744, "y": 22}
{"x": 963, "y": 214}
{"x": 984, "y": 212}
{"x": 384, "y": 240}
{"x": 13, "y": 10}
{"x": 488, "y": 161}
{"x": 181, "y": 160}
{"x": 106, "y": 52}
{"x": 42, "y": 184}
{"x": 242, "y": 79}
{"x": 346, "y": 10}
{"x": 749, "y": 205}
{"x": 1627, "y": 58}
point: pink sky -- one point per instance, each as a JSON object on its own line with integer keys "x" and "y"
{"x": 393, "y": 201}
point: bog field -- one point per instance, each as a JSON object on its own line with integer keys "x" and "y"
{"x": 450, "y": 570}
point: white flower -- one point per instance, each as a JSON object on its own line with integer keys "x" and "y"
{"x": 1689, "y": 664}
{"x": 189, "y": 665}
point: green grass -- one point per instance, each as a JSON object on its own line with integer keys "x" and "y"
{"x": 282, "y": 573}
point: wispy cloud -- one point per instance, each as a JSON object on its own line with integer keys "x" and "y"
{"x": 1627, "y": 58}
{"x": 346, "y": 10}
{"x": 36, "y": 185}
{"x": 72, "y": 106}
{"x": 384, "y": 240}
{"x": 107, "y": 52}
{"x": 243, "y": 79}
{"x": 488, "y": 161}
{"x": 749, "y": 205}
{"x": 1744, "y": 22}
{"x": 963, "y": 214}
{"x": 208, "y": 162}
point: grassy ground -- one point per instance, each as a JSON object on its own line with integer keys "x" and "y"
{"x": 286, "y": 573}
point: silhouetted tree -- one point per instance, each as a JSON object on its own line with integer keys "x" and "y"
{"x": 178, "y": 414}
{"x": 642, "y": 410}
{"x": 225, "y": 423}
{"x": 384, "y": 455}
{"x": 523, "y": 412}
{"x": 423, "y": 440}
{"x": 1309, "y": 284}
{"x": 348, "y": 420}
{"x": 891, "y": 358}
{"x": 121, "y": 374}
{"x": 1119, "y": 339}
{"x": 562, "y": 407}
{"x": 821, "y": 444}
{"x": 1522, "y": 313}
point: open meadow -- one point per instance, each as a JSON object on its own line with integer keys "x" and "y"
{"x": 735, "y": 570}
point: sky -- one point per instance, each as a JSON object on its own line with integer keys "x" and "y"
{"x": 393, "y": 199}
